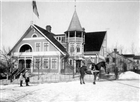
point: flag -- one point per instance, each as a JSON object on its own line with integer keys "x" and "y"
{"x": 35, "y": 8}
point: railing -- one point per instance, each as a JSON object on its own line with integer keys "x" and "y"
{"x": 73, "y": 39}
{"x": 18, "y": 72}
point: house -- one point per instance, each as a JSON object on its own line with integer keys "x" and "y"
{"x": 137, "y": 61}
{"x": 41, "y": 50}
{"x": 122, "y": 61}
{"x": 81, "y": 45}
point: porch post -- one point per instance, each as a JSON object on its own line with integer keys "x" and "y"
{"x": 59, "y": 62}
{"x": 25, "y": 63}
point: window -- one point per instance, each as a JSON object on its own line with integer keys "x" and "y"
{"x": 38, "y": 46}
{"x": 46, "y": 63}
{"x": 37, "y": 63}
{"x": 54, "y": 63}
{"x": 72, "y": 49}
{"x": 72, "y": 34}
{"x": 63, "y": 40}
{"x": 78, "y": 48}
{"x": 46, "y": 46}
{"x": 59, "y": 38}
{"x": 71, "y": 62}
{"x": 107, "y": 60}
{"x": 34, "y": 35}
{"x": 114, "y": 60}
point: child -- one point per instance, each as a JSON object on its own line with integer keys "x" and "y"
{"x": 27, "y": 78}
{"x": 21, "y": 79}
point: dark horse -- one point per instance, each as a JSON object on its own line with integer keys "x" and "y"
{"x": 95, "y": 70}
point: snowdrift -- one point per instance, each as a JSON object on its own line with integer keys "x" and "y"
{"x": 129, "y": 75}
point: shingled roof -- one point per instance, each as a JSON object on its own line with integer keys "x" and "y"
{"x": 52, "y": 39}
{"x": 93, "y": 41}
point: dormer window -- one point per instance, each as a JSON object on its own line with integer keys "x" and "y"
{"x": 34, "y": 35}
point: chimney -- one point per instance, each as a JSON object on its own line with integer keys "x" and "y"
{"x": 48, "y": 28}
{"x": 115, "y": 50}
{"x": 83, "y": 29}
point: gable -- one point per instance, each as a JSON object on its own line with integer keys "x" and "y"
{"x": 51, "y": 38}
{"x": 28, "y": 39}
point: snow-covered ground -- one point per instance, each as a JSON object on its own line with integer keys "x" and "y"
{"x": 72, "y": 91}
{"x": 129, "y": 75}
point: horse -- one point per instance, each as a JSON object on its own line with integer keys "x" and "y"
{"x": 95, "y": 70}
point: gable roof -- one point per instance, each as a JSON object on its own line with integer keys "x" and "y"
{"x": 52, "y": 39}
{"x": 47, "y": 35}
{"x": 27, "y": 31}
{"x": 75, "y": 23}
{"x": 93, "y": 41}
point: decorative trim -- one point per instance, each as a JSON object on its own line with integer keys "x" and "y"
{"x": 34, "y": 38}
{"x": 48, "y": 53}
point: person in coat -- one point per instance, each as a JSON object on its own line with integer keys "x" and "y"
{"x": 27, "y": 79}
{"x": 21, "y": 79}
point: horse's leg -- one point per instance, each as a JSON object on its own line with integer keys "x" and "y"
{"x": 94, "y": 81}
{"x": 80, "y": 79}
{"x": 98, "y": 75}
{"x": 83, "y": 79}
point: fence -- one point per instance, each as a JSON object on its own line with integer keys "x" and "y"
{"x": 54, "y": 78}
{"x": 44, "y": 78}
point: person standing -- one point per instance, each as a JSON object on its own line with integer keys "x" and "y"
{"x": 21, "y": 79}
{"x": 27, "y": 78}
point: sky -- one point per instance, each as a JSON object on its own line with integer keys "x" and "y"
{"x": 119, "y": 18}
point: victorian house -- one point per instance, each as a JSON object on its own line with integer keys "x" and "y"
{"x": 40, "y": 49}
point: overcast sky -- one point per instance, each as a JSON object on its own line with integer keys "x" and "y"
{"x": 119, "y": 18}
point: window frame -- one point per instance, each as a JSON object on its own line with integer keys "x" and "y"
{"x": 52, "y": 63}
{"x": 33, "y": 35}
{"x": 44, "y": 46}
{"x": 44, "y": 63}
{"x": 38, "y": 64}
{"x": 36, "y": 47}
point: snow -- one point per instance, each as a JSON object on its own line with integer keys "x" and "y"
{"x": 129, "y": 75}
{"x": 73, "y": 91}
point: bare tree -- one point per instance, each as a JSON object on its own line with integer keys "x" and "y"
{"x": 133, "y": 48}
{"x": 7, "y": 62}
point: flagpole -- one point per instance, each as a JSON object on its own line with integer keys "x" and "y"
{"x": 32, "y": 21}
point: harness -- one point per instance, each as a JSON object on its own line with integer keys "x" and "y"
{"x": 93, "y": 70}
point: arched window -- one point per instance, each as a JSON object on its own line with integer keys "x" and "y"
{"x": 34, "y": 35}
{"x": 25, "y": 48}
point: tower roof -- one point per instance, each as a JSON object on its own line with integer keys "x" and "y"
{"x": 75, "y": 23}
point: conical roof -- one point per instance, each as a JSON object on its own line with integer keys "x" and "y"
{"x": 75, "y": 23}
